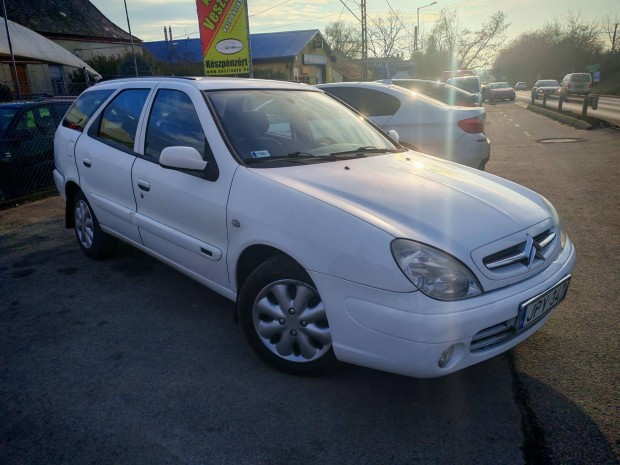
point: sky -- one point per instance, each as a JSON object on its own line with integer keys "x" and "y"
{"x": 148, "y": 17}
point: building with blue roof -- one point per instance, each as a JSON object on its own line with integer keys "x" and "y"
{"x": 302, "y": 56}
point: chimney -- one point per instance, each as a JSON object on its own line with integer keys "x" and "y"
{"x": 166, "y": 33}
{"x": 170, "y": 33}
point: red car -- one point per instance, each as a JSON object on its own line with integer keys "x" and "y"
{"x": 499, "y": 91}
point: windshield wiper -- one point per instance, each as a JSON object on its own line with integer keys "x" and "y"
{"x": 362, "y": 151}
{"x": 300, "y": 155}
{"x": 286, "y": 158}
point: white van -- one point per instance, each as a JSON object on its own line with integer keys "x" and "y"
{"x": 576, "y": 84}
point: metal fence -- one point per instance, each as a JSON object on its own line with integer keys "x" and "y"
{"x": 27, "y": 126}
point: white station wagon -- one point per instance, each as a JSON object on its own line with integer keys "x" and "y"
{"x": 336, "y": 243}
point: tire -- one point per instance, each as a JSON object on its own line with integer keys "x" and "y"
{"x": 284, "y": 320}
{"x": 92, "y": 240}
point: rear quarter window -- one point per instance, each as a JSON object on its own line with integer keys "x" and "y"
{"x": 369, "y": 102}
{"x": 84, "y": 107}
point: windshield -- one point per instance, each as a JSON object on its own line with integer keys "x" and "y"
{"x": 500, "y": 85}
{"x": 6, "y": 116}
{"x": 294, "y": 127}
{"x": 549, "y": 84}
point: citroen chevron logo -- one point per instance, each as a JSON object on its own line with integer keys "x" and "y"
{"x": 532, "y": 251}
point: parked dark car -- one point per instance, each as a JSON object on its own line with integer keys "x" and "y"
{"x": 499, "y": 91}
{"x": 27, "y": 144}
{"x": 450, "y": 95}
{"x": 545, "y": 86}
{"x": 521, "y": 85}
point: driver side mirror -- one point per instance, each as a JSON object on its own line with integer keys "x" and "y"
{"x": 183, "y": 158}
{"x": 393, "y": 135}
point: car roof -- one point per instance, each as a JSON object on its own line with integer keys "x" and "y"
{"x": 392, "y": 89}
{"x": 211, "y": 83}
{"x": 27, "y": 103}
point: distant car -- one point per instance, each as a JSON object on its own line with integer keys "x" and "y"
{"x": 499, "y": 91}
{"x": 470, "y": 84}
{"x": 27, "y": 145}
{"x": 423, "y": 124}
{"x": 521, "y": 85}
{"x": 545, "y": 86}
{"x": 576, "y": 84}
{"x": 438, "y": 90}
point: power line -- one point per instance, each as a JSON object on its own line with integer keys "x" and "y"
{"x": 270, "y": 8}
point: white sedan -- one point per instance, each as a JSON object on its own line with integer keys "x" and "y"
{"x": 335, "y": 243}
{"x": 422, "y": 123}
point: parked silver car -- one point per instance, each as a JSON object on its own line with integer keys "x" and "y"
{"x": 423, "y": 124}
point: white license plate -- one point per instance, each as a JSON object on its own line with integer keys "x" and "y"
{"x": 537, "y": 307}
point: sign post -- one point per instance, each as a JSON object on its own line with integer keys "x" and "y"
{"x": 224, "y": 35}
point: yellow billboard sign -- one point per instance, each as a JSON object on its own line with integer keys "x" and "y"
{"x": 224, "y": 36}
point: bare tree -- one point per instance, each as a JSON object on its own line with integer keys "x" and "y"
{"x": 610, "y": 26}
{"x": 386, "y": 36}
{"x": 345, "y": 38}
{"x": 445, "y": 33}
{"x": 477, "y": 49}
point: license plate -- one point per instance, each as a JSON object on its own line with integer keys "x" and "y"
{"x": 537, "y": 307}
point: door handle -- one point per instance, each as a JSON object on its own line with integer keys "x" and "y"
{"x": 86, "y": 162}
{"x": 143, "y": 185}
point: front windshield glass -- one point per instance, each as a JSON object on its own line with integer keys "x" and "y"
{"x": 291, "y": 125}
{"x": 6, "y": 116}
{"x": 550, "y": 84}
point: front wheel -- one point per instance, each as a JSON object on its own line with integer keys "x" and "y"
{"x": 284, "y": 318}
{"x": 93, "y": 241}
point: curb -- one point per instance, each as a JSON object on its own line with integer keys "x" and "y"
{"x": 576, "y": 123}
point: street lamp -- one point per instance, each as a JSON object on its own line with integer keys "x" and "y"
{"x": 417, "y": 28}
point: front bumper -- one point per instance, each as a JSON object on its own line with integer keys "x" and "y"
{"x": 407, "y": 333}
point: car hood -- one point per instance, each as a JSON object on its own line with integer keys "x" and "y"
{"x": 420, "y": 197}
{"x": 548, "y": 87}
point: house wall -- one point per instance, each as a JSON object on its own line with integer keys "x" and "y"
{"x": 85, "y": 50}
{"x": 39, "y": 79}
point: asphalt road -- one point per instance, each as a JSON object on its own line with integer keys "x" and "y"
{"x": 571, "y": 369}
{"x": 128, "y": 361}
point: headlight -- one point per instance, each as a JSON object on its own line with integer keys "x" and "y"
{"x": 556, "y": 221}
{"x": 435, "y": 273}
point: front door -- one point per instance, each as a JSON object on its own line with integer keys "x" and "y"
{"x": 182, "y": 215}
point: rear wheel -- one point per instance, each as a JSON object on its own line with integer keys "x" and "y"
{"x": 93, "y": 241}
{"x": 284, "y": 318}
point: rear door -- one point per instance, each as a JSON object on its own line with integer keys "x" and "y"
{"x": 105, "y": 156}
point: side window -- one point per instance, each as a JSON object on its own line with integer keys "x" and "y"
{"x": 174, "y": 122}
{"x": 83, "y": 108}
{"x": 119, "y": 121}
{"x": 368, "y": 101}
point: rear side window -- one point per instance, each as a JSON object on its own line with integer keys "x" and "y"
{"x": 83, "y": 108}
{"x": 119, "y": 121}
{"x": 369, "y": 102}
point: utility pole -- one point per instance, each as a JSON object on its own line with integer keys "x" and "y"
{"x": 133, "y": 52}
{"x": 364, "y": 42}
{"x": 13, "y": 65}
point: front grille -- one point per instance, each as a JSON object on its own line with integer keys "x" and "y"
{"x": 493, "y": 335}
{"x": 523, "y": 256}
